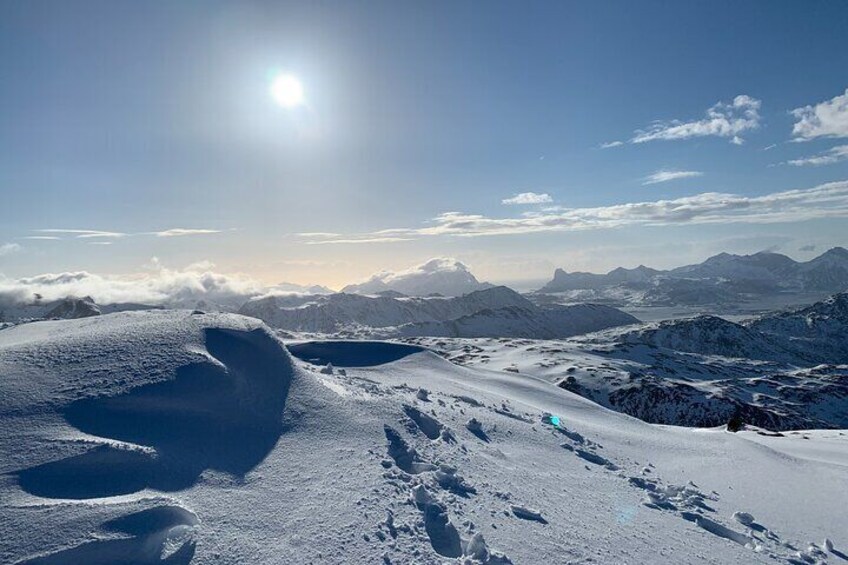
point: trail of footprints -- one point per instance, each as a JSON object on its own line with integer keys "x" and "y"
{"x": 692, "y": 505}
{"x": 425, "y": 485}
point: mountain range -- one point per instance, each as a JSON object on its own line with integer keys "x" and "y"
{"x": 722, "y": 278}
{"x": 492, "y": 312}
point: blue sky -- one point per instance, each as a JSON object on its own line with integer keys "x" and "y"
{"x": 137, "y": 119}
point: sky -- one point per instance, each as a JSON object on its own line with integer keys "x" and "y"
{"x": 516, "y": 137}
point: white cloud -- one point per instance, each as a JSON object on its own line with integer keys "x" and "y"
{"x": 57, "y": 233}
{"x": 156, "y": 286}
{"x": 84, "y": 234}
{"x": 825, "y": 119}
{"x": 832, "y": 155}
{"x": 722, "y": 120}
{"x": 180, "y": 232}
{"x": 824, "y": 201}
{"x": 611, "y": 144}
{"x": 525, "y": 198}
{"x": 666, "y": 176}
{"x": 9, "y": 248}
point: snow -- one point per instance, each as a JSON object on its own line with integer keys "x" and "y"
{"x": 183, "y": 437}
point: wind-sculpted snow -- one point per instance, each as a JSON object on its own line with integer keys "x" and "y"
{"x": 219, "y": 414}
{"x": 393, "y": 460}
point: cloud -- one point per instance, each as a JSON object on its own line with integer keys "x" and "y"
{"x": 181, "y": 232}
{"x": 157, "y": 286}
{"x": 825, "y": 119}
{"x": 9, "y": 248}
{"x": 666, "y": 176}
{"x": 524, "y": 198}
{"x": 721, "y": 120}
{"x": 832, "y": 155}
{"x": 807, "y": 248}
{"x": 611, "y": 144}
{"x": 84, "y": 234}
{"x": 57, "y": 233}
{"x": 824, "y": 201}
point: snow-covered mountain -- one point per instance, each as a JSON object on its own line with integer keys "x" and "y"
{"x": 66, "y": 308}
{"x": 287, "y": 287}
{"x": 496, "y": 311}
{"x": 440, "y": 276}
{"x": 173, "y": 437}
{"x": 579, "y": 280}
{"x": 722, "y": 279}
{"x": 818, "y": 332}
{"x": 780, "y": 371}
{"x": 526, "y": 322}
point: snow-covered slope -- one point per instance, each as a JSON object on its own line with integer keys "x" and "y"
{"x": 172, "y": 437}
{"x": 496, "y": 311}
{"x": 442, "y": 276}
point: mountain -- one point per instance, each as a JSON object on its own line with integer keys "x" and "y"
{"x": 704, "y": 335}
{"x": 494, "y": 311}
{"x": 522, "y": 322}
{"x": 573, "y": 281}
{"x": 180, "y": 438}
{"x": 287, "y": 287}
{"x": 819, "y": 331}
{"x": 779, "y": 371}
{"x": 763, "y": 266}
{"x": 720, "y": 280}
{"x": 828, "y": 271}
{"x": 72, "y": 308}
{"x": 446, "y": 277}
{"x": 37, "y": 309}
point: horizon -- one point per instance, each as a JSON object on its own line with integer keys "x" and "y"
{"x": 284, "y": 142}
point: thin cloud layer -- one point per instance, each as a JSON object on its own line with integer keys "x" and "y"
{"x": 829, "y": 157}
{"x": 724, "y": 119}
{"x": 824, "y": 201}
{"x": 825, "y": 119}
{"x": 525, "y": 198}
{"x": 58, "y": 233}
{"x": 666, "y": 176}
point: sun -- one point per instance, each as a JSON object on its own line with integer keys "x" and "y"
{"x": 287, "y": 91}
